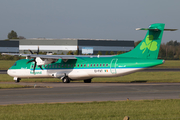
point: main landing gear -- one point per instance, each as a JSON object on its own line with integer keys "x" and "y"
{"x": 66, "y": 80}
{"x": 87, "y": 81}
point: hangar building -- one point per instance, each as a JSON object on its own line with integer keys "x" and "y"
{"x": 83, "y": 46}
{"x": 9, "y": 46}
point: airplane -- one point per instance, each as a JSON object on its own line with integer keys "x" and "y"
{"x": 83, "y": 67}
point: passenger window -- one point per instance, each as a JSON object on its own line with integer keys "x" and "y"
{"x": 68, "y": 65}
{"x": 56, "y": 65}
{"x": 106, "y": 65}
{"x": 87, "y": 65}
{"x": 59, "y": 66}
{"x": 65, "y": 65}
{"x": 81, "y": 65}
{"x": 84, "y": 65}
{"x": 103, "y": 65}
{"x": 97, "y": 65}
{"x": 94, "y": 65}
{"x": 100, "y": 65}
{"x": 91, "y": 65}
{"x": 62, "y": 65}
{"x": 78, "y": 65}
{"x": 74, "y": 65}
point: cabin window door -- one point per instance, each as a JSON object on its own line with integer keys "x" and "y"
{"x": 113, "y": 66}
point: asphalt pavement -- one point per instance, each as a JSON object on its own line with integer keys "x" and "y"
{"x": 86, "y": 92}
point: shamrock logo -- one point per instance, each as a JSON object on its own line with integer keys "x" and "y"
{"x": 149, "y": 44}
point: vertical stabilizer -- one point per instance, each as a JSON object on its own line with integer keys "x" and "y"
{"x": 149, "y": 46}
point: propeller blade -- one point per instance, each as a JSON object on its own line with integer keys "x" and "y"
{"x": 34, "y": 67}
{"x": 30, "y": 51}
{"x": 40, "y": 67}
{"x": 38, "y": 50}
{"x": 31, "y": 61}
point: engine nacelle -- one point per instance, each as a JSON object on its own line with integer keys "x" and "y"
{"x": 41, "y": 61}
{"x": 58, "y": 75}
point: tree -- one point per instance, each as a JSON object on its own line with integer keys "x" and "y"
{"x": 136, "y": 43}
{"x": 162, "y": 52}
{"x": 170, "y": 43}
{"x": 76, "y": 52}
{"x": 21, "y": 37}
{"x": 99, "y": 53}
{"x": 111, "y": 53}
{"x": 107, "y": 53}
{"x": 119, "y": 52}
{"x": 12, "y": 35}
{"x": 70, "y": 53}
{"x": 176, "y": 43}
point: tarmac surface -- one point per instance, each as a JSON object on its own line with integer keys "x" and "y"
{"x": 87, "y": 92}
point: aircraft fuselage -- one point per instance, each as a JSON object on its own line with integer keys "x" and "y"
{"x": 82, "y": 68}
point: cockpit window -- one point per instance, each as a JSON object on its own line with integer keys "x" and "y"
{"x": 15, "y": 64}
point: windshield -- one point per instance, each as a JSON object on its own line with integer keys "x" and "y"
{"x": 15, "y": 64}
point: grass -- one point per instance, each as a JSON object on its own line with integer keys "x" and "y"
{"x": 3, "y": 86}
{"x": 136, "y": 110}
{"x": 135, "y": 77}
{"x": 169, "y": 64}
{"x": 6, "y": 64}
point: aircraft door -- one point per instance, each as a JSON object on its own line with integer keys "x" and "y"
{"x": 113, "y": 66}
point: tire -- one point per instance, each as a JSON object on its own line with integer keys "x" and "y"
{"x": 17, "y": 80}
{"x": 66, "y": 80}
{"x": 87, "y": 81}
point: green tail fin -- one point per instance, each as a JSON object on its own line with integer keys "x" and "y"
{"x": 149, "y": 46}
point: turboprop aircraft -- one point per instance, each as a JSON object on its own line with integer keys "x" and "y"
{"x": 79, "y": 67}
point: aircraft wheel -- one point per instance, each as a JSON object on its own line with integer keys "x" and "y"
{"x": 18, "y": 80}
{"x": 66, "y": 80}
{"x": 87, "y": 81}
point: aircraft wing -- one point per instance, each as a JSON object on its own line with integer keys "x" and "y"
{"x": 56, "y": 56}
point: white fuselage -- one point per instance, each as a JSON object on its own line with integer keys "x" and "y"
{"x": 74, "y": 74}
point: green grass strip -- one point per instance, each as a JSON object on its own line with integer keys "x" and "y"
{"x": 136, "y": 110}
{"x": 6, "y": 64}
{"x": 3, "y": 86}
{"x": 169, "y": 64}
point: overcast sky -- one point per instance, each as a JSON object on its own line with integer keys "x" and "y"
{"x": 96, "y": 19}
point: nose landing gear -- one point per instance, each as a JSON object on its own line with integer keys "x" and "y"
{"x": 17, "y": 79}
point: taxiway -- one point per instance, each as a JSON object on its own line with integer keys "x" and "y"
{"x": 86, "y": 92}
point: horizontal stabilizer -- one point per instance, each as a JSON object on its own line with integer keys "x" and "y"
{"x": 147, "y": 29}
{"x": 155, "y": 29}
{"x": 170, "y": 29}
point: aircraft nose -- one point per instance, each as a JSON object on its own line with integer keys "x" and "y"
{"x": 9, "y": 72}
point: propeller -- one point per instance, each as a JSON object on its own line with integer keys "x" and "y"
{"x": 34, "y": 60}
